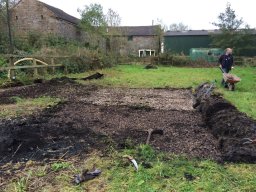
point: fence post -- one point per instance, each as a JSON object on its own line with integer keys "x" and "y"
{"x": 11, "y": 72}
{"x": 52, "y": 63}
{"x": 35, "y": 69}
{"x": 65, "y": 69}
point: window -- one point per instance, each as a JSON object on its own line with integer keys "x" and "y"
{"x": 17, "y": 17}
{"x": 130, "y": 38}
{"x": 42, "y": 17}
{"x": 147, "y": 52}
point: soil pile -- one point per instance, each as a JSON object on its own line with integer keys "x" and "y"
{"x": 235, "y": 131}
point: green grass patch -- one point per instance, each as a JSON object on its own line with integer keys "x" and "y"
{"x": 135, "y": 76}
{"x": 177, "y": 173}
{"x": 167, "y": 173}
{"x": 27, "y": 106}
{"x": 59, "y": 165}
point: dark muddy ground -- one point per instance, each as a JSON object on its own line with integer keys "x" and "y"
{"x": 91, "y": 117}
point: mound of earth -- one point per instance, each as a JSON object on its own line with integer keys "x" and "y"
{"x": 234, "y": 130}
{"x": 64, "y": 88}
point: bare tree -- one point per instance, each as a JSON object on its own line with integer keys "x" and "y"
{"x": 178, "y": 27}
{"x": 5, "y": 20}
{"x": 113, "y": 19}
{"x": 160, "y": 30}
{"x": 115, "y": 41}
{"x": 9, "y": 26}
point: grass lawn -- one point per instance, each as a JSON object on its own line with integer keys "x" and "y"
{"x": 134, "y": 76}
{"x": 168, "y": 172}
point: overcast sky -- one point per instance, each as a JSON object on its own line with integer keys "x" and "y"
{"x": 197, "y": 14}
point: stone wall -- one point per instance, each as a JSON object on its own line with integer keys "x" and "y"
{"x": 32, "y": 16}
{"x": 143, "y": 42}
{"x": 132, "y": 45}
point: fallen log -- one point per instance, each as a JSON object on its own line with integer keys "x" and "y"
{"x": 94, "y": 76}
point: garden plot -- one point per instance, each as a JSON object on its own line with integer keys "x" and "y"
{"x": 92, "y": 118}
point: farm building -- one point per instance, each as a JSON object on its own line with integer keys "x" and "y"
{"x": 139, "y": 41}
{"x": 183, "y": 41}
{"x": 30, "y": 16}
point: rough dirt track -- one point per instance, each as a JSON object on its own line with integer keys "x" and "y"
{"x": 95, "y": 118}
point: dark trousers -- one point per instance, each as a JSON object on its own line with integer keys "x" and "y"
{"x": 225, "y": 70}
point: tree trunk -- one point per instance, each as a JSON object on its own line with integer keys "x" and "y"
{"x": 9, "y": 27}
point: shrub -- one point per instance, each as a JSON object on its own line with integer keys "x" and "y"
{"x": 181, "y": 60}
{"x": 35, "y": 40}
{"x": 22, "y": 45}
{"x": 3, "y": 63}
{"x": 3, "y": 43}
{"x": 174, "y": 60}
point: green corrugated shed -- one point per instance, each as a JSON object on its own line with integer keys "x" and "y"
{"x": 183, "y": 41}
{"x": 182, "y": 44}
{"x": 208, "y": 54}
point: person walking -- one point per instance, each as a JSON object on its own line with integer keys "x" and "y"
{"x": 226, "y": 62}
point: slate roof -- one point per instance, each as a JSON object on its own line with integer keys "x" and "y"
{"x": 137, "y": 30}
{"x": 61, "y": 14}
{"x": 192, "y": 33}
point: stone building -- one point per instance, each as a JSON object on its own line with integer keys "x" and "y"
{"x": 34, "y": 16}
{"x": 139, "y": 41}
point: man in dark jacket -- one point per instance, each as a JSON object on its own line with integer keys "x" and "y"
{"x": 226, "y": 62}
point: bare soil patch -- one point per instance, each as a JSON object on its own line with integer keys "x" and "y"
{"x": 92, "y": 117}
{"x": 95, "y": 118}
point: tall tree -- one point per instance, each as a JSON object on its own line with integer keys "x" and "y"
{"x": 9, "y": 27}
{"x": 2, "y": 15}
{"x": 114, "y": 39}
{"x": 160, "y": 30}
{"x": 93, "y": 19}
{"x": 5, "y": 23}
{"x": 178, "y": 27}
{"x": 233, "y": 32}
{"x": 228, "y": 21}
{"x": 102, "y": 27}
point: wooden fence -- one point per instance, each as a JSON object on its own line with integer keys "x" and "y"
{"x": 15, "y": 60}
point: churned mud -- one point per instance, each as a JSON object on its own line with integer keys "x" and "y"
{"x": 92, "y": 117}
